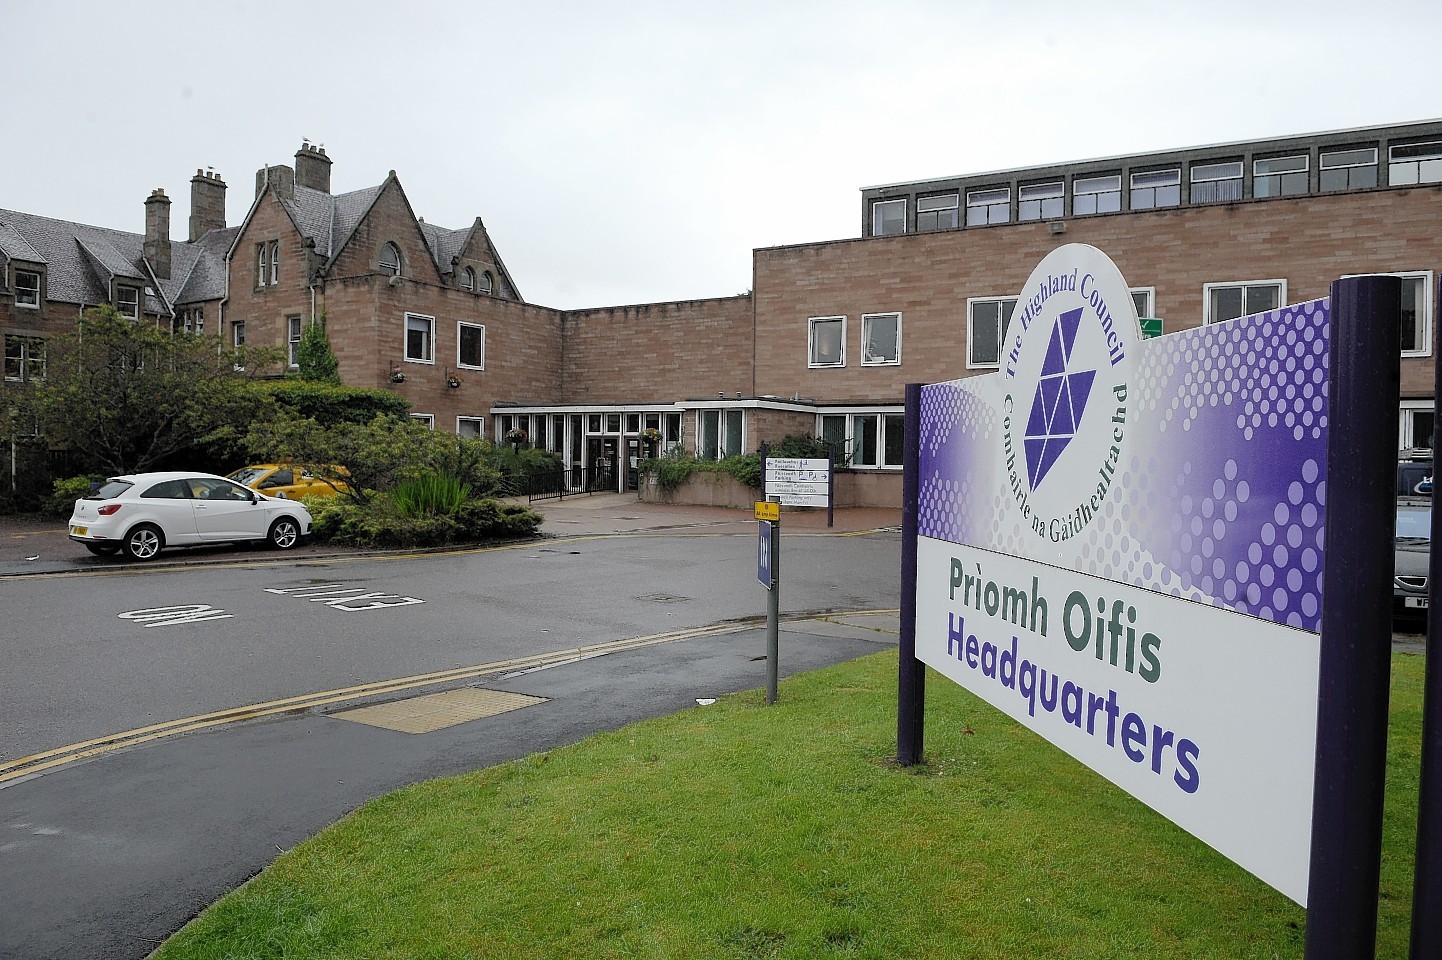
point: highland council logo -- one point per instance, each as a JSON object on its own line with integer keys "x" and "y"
{"x": 1065, "y": 372}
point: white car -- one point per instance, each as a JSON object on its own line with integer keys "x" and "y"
{"x": 143, "y": 513}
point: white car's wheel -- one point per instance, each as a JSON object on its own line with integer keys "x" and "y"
{"x": 284, "y": 534}
{"x": 143, "y": 542}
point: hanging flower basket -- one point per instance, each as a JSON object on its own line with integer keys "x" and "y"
{"x": 397, "y": 377}
{"x": 453, "y": 382}
{"x": 516, "y": 436}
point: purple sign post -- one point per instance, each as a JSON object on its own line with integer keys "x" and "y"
{"x": 1109, "y": 532}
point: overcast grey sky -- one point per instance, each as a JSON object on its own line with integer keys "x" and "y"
{"x": 636, "y": 152}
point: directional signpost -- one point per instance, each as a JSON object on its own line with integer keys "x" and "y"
{"x": 768, "y": 571}
{"x": 799, "y": 482}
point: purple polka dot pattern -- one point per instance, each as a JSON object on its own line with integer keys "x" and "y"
{"x": 1223, "y": 488}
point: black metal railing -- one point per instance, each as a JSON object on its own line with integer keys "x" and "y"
{"x": 564, "y": 482}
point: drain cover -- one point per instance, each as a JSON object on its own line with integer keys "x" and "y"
{"x": 437, "y": 711}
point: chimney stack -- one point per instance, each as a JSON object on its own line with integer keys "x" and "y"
{"x": 282, "y": 178}
{"x": 312, "y": 167}
{"x": 157, "y": 233}
{"x": 207, "y": 204}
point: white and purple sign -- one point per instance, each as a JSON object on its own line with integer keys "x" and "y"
{"x": 1120, "y": 545}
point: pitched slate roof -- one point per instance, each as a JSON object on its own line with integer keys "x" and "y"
{"x": 445, "y": 244}
{"x": 81, "y": 261}
{"x": 329, "y": 219}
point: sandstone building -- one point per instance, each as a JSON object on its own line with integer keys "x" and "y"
{"x": 831, "y": 332}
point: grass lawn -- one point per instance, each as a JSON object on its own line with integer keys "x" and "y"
{"x": 742, "y": 831}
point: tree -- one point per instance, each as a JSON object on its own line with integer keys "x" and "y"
{"x": 314, "y": 357}
{"x": 375, "y": 456}
{"x": 124, "y": 397}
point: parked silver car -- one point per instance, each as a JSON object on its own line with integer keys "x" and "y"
{"x": 143, "y": 513}
{"x": 1411, "y": 557}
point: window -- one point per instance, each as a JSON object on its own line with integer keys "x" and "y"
{"x": 1416, "y": 313}
{"x": 468, "y": 279}
{"x": 1414, "y": 163}
{"x": 613, "y": 423}
{"x": 190, "y": 320}
{"x": 487, "y": 283}
{"x": 293, "y": 332}
{"x": 1279, "y": 177}
{"x": 880, "y": 338}
{"x": 865, "y": 439}
{"x": 936, "y": 213}
{"x": 262, "y": 264}
{"x": 888, "y": 217}
{"x": 720, "y": 434}
{"x": 27, "y": 289}
{"x": 1144, "y": 299}
{"x": 390, "y": 259}
{"x": 1216, "y": 182}
{"x": 24, "y": 358}
{"x": 633, "y": 423}
{"x": 1418, "y": 425}
{"x": 429, "y": 419}
{"x": 473, "y": 427}
{"x": 471, "y": 346}
{"x": 274, "y": 262}
{"x": 127, "y": 302}
{"x": 986, "y": 322}
{"x": 988, "y": 206}
{"x": 826, "y": 341}
{"x": 420, "y": 338}
{"x": 1348, "y": 169}
{"x": 893, "y": 426}
{"x": 1040, "y": 201}
{"x": 1096, "y": 195}
{"x": 237, "y": 340}
{"x": 1227, "y": 301}
{"x": 1157, "y": 188}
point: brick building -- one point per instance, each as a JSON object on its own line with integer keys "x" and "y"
{"x": 825, "y": 342}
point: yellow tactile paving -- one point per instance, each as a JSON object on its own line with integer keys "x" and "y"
{"x": 437, "y": 711}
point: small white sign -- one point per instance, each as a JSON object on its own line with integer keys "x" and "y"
{"x": 799, "y": 482}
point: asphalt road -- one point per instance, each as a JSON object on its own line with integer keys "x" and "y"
{"x": 122, "y": 840}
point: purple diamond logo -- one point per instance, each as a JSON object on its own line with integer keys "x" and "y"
{"x": 1061, "y": 398}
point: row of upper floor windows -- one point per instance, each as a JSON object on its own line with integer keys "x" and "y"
{"x": 27, "y": 286}
{"x": 987, "y": 318}
{"x": 389, "y": 262}
{"x": 1210, "y": 181}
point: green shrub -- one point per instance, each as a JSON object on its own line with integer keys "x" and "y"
{"x": 430, "y": 495}
{"x": 381, "y": 523}
{"x": 328, "y": 403}
{"x": 62, "y": 501}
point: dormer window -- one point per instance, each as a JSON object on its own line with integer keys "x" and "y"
{"x": 390, "y": 260}
{"x": 27, "y": 289}
{"x": 468, "y": 280}
{"x": 127, "y": 302}
{"x": 487, "y": 283}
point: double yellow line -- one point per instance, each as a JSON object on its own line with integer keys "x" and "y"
{"x": 50, "y": 759}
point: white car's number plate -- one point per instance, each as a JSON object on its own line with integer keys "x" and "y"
{"x": 1415, "y": 602}
{"x": 79, "y": 531}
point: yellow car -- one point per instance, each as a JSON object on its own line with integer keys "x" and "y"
{"x": 286, "y": 481}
